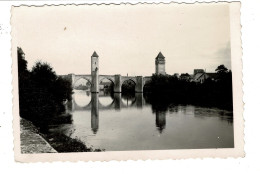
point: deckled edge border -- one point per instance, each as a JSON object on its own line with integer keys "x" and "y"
{"x": 142, "y": 155}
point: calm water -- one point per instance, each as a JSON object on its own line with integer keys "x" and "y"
{"x": 117, "y": 123}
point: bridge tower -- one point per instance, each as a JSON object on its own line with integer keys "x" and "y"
{"x": 94, "y": 73}
{"x": 160, "y": 64}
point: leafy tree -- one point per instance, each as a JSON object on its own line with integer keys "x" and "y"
{"x": 221, "y": 69}
{"x": 23, "y": 80}
{"x": 22, "y": 63}
{"x": 41, "y": 91}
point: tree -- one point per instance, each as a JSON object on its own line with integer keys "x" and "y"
{"x": 221, "y": 69}
{"x": 22, "y": 63}
{"x": 23, "y": 81}
{"x": 43, "y": 74}
{"x": 41, "y": 91}
{"x": 46, "y": 80}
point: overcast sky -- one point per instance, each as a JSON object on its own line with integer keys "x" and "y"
{"x": 127, "y": 38}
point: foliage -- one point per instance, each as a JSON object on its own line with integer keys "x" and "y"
{"x": 166, "y": 89}
{"x": 23, "y": 78}
{"x": 128, "y": 86}
{"x": 221, "y": 69}
{"x": 41, "y": 91}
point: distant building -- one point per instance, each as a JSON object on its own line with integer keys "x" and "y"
{"x": 198, "y": 71}
{"x": 185, "y": 76}
{"x": 200, "y": 76}
{"x": 160, "y": 64}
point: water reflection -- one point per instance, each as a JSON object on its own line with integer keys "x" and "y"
{"x": 94, "y": 112}
{"x": 128, "y": 99}
{"x": 160, "y": 120}
{"x": 132, "y": 122}
{"x": 117, "y": 101}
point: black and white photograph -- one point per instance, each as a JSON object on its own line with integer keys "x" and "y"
{"x": 116, "y": 78}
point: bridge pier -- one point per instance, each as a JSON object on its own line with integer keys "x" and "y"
{"x": 117, "y": 85}
{"x": 139, "y": 84}
{"x": 117, "y": 100}
{"x": 71, "y": 78}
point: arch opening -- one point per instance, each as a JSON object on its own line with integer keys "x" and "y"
{"x": 82, "y": 84}
{"x": 128, "y": 92}
{"x": 106, "y": 86}
{"x": 128, "y": 86}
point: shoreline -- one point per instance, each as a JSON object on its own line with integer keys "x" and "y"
{"x": 31, "y": 140}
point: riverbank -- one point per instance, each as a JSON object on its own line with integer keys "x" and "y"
{"x": 31, "y": 140}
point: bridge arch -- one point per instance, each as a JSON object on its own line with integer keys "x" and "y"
{"x": 128, "y": 85}
{"x": 78, "y": 78}
{"x": 108, "y": 78}
{"x": 112, "y": 82}
{"x": 127, "y": 79}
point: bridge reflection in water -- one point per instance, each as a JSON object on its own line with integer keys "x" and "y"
{"x": 118, "y": 102}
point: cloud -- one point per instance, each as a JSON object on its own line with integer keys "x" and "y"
{"x": 222, "y": 56}
{"x": 224, "y": 53}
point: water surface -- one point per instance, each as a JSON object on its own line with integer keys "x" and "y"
{"x": 117, "y": 123}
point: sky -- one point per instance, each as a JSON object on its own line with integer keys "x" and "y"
{"x": 127, "y": 38}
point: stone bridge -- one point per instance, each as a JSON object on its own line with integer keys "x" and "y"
{"x": 117, "y": 80}
{"x": 95, "y": 78}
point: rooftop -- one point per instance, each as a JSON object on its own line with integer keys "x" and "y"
{"x": 94, "y": 54}
{"x": 160, "y": 56}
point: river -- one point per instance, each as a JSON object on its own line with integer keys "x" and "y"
{"x": 117, "y": 123}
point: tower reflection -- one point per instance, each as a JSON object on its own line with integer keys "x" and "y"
{"x": 94, "y": 112}
{"x": 160, "y": 120}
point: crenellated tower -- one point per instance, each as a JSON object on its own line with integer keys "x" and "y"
{"x": 160, "y": 64}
